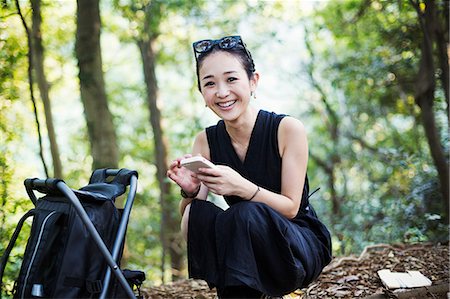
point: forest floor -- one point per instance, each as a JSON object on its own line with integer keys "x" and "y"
{"x": 351, "y": 277}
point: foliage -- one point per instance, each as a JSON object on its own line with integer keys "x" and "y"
{"x": 12, "y": 203}
{"x": 386, "y": 177}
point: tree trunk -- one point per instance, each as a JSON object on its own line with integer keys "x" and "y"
{"x": 38, "y": 52}
{"x": 441, "y": 21}
{"x": 30, "y": 84}
{"x": 100, "y": 125}
{"x": 170, "y": 236}
{"x": 424, "y": 97}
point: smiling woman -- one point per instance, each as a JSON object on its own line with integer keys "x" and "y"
{"x": 228, "y": 44}
{"x": 269, "y": 242}
{"x": 225, "y": 86}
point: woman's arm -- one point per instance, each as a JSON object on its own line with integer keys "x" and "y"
{"x": 293, "y": 144}
{"x": 200, "y": 147}
{"x": 293, "y": 147}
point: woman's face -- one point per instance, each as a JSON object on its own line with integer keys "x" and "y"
{"x": 225, "y": 85}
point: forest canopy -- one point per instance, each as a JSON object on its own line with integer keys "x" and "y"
{"x": 89, "y": 84}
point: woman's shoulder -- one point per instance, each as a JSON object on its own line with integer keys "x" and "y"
{"x": 290, "y": 123}
{"x": 201, "y": 136}
{"x": 277, "y": 117}
{"x": 284, "y": 124}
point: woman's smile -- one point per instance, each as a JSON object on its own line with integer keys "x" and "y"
{"x": 226, "y": 105}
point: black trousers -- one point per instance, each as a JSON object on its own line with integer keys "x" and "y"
{"x": 251, "y": 248}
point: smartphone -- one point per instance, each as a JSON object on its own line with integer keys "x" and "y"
{"x": 196, "y": 162}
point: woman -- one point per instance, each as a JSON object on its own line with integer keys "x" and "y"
{"x": 269, "y": 241}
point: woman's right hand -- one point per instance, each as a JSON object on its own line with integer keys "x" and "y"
{"x": 186, "y": 179}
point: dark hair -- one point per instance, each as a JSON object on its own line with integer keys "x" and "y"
{"x": 242, "y": 54}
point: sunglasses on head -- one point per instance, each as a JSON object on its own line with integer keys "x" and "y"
{"x": 225, "y": 43}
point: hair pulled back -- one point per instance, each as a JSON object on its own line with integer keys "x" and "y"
{"x": 238, "y": 51}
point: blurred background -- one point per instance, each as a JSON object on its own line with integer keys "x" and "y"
{"x": 114, "y": 85}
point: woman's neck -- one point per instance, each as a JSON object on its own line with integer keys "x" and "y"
{"x": 241, "y": 128}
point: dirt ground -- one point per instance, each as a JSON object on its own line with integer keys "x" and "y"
{"x": 351, "y": 277}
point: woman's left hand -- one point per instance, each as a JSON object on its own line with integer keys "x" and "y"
{"x": 223, "y": 180}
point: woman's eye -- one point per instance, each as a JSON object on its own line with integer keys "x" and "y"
{"x": 231, "y": 79}
{"x": 209, "y": 84}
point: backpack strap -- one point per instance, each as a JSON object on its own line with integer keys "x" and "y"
{"x": 5, "y": 256}
{"x": 123, "y": 176}
{"x": 46, "y": 186}
{"x": 92, "y": 286}
{"x": 102, "y": 189}
{"x": 98, "y": 176}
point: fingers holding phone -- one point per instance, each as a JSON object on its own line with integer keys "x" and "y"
{"x": 197, "y": 162}
{"x": 182, "y": 176}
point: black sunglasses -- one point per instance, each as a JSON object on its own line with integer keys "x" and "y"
{"x": 225, "y": 43}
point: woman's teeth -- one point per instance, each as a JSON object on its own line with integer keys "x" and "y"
{"x": 226, "y": 104}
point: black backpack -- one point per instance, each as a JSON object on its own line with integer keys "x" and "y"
{"x": 63, "y": 258}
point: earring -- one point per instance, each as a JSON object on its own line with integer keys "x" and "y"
{"x": 253, "y": 94}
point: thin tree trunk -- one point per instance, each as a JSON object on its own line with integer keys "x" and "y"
{"x": 38, "y": 51}
{"x": 437, "y": 152}
{"x": 424, "y": 97}
{"x": 30, "y": 83}
{"x": 100, "y": 125}
{"x": 170, "y": 236}
{"x": 441, "y": 21}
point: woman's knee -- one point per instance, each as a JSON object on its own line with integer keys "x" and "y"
{"x": 253, "y": 216}
{"x": 251, "y": 211}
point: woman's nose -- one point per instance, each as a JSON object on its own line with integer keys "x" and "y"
{"x": 222, "y": 91}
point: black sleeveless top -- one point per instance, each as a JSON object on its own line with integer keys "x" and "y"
{"x": 262, "y": 163}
